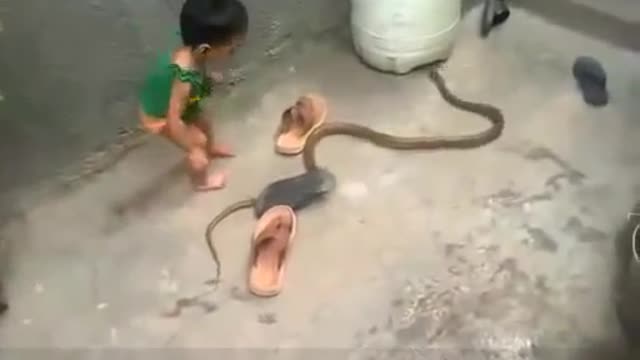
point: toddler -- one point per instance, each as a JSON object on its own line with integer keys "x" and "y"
{"x": 171, "y": 96}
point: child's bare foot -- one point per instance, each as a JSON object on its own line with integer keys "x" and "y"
{"x": 215, "y": 181}
{"x": 221, "y": 151}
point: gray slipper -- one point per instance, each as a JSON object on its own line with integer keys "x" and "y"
{"x": 592, "y": 80}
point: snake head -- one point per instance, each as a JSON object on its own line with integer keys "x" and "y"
{"x": 327, "y": 181}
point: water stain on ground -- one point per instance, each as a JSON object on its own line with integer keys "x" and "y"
{"x": 509, "y": 267}
{"x": 573, "y": 178}
{"x": 506, "y": 194}
{"x": 586, "y": 234}
{"x": 510, "y": 198}
{"x": 541, "y": 284}
{"x": 544, "y": 196}
{"x": 543, "y": 153}
{"x": 206, "y": 306}
{"x": 569, "y": 173}
{"x": 483, "y": 230}
{"x": 267, "y": 318}
{"x": 455, "y": 270}
{"x": 373, "y": 330}
{"x": 397, "y": 303}
{"x": 430, "y": 316}
{"x": 541, "y": 240}
{"x": 451, "y": 249}
{"x": 584, "y": 210}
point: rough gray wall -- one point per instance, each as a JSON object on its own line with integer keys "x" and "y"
{"x": 69, "y": 70}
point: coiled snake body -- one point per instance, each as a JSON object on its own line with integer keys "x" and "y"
{"x": 493, "y": 114}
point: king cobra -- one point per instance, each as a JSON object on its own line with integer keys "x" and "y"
{"x": 493, "y": 114}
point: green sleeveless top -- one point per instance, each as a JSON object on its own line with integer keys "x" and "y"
{"x": 156, "y": 89}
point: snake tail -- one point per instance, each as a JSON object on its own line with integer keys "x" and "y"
{"x": 242, "y": 204}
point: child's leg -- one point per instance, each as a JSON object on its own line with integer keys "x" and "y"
{"x": 193, "y": 141}
{"x": 214, "y": 148}
{"x": 198, "y": 164}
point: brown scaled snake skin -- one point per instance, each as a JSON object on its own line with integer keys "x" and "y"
{"x": 493, "y": 114}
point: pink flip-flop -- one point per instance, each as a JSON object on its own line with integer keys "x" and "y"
{"x": 298, "y": 122}
{"x": 271, "y": 245}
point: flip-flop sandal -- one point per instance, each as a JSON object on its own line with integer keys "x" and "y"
{"x": 592, "y": 81}
{"x": 298, "y": 123}
{"x": 271, "y": 244}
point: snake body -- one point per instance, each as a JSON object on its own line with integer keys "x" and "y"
{"x": 493, "y": 114}
{"x": 242, "y": 204}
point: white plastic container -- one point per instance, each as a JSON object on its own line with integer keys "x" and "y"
{"x": 400, "y": 35}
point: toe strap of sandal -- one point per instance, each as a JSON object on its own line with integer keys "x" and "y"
{"x": 299, "y": 118}
{"x": 286, "y": 122}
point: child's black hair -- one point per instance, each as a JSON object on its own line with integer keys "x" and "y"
{"x": 212, "y": 22}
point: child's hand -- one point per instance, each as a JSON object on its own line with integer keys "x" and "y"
{"x": 217, "y": 77}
